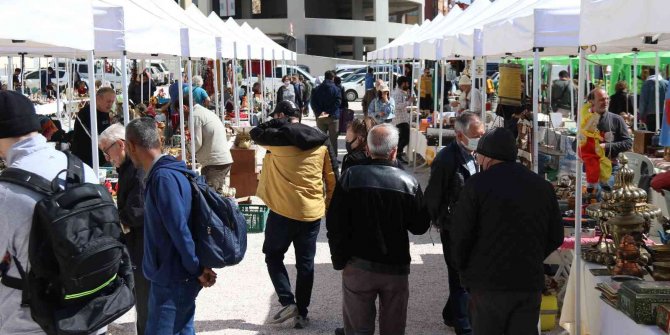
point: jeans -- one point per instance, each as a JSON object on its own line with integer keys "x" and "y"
{"x": 280, "y": 232}
{"x": 172, "y": 308}
{"x": 329, "y": 126}
{"x": 456, "y": 309}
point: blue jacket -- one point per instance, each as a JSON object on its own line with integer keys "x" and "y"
{"x": 327, "y": 98}
{"x": 647, "y": 102}
{"x": 369, "y": 81}
{"x": 169, "y": 251}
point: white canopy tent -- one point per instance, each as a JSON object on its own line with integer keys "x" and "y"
{"x": 646, "y": 25}
{"x": 550, "y": 24}
{"x": 431, "y": 47}
{"x": 376, "y": 54}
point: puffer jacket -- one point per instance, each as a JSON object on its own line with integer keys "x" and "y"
{"x": 296, "y": 168}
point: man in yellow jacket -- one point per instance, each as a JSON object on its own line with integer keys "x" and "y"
{"x": 297, "y": 183}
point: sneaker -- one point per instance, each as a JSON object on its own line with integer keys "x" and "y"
{"x": 339, "y": 331}
{"x": 287, "y": 312}
{"x": 301, "y": 322}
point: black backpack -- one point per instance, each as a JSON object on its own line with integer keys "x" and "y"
{"x": 218, "y": 227}
{"x": 80, "y": 277}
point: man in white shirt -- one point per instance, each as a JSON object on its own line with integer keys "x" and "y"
{"x": 470, "y": 98}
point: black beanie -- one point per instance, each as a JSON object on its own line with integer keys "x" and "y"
{"x": 498, "y": 144}
{"x": 17, "y": 115}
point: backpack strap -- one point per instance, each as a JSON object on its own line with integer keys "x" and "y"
{"x": 27, "y": 179}
{"x": 75, "y": 170}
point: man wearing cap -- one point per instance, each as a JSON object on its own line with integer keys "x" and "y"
{"x": 21, "y": 146}
{"x": 505, "y": 223}
{"x": 470, "y": 98}
{"x": 297, "y": 182}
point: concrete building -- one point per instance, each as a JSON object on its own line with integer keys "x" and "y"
{"x": 333, "y": 28}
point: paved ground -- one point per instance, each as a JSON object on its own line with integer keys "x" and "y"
{"x": 243, "y": 299}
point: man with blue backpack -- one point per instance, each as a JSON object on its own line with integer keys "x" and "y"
{"x": 170, "y": 262}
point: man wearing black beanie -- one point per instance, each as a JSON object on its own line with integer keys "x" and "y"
{"x": 505, "y": 223}
{"x": 22, "y": 147}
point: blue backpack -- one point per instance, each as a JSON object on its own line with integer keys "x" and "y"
{"x": 218, "y": 227}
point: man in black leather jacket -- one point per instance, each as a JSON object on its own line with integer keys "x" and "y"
{"x": 452, "y": 167}
{"x": 505, "y": 223}
{"x": 369, "y": 242}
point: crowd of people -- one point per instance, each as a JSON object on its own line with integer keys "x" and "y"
{"x": 497, "y": 220}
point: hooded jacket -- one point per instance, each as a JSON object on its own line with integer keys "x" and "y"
{"x": 17, "y": 205}
{"x": 169, "y": 251}
{"x": 296, "y": 168}
{"x": 327, "y": 98}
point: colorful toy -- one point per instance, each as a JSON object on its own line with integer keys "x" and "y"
{"x": 598, "y": 167}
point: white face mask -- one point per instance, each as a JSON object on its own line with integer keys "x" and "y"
{"x": 286, "y": 83}
{"x": 472, "y": 143}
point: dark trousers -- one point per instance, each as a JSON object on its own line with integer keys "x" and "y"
{"x": 360, "y": 289}
{"x": 505, "y": 312}
{"x": 215, "y": 175}
{"x": 280, "y": 232}
{"x": 172, "y": 308}
{"x": 403, "y": 138}
{"x": 455, "y": 311}
{"x": 142, "y": 288}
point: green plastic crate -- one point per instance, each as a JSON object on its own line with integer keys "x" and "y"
{"x": 256, "y": 215}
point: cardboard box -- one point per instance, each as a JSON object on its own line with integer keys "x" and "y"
{"x": 641, "y": 140}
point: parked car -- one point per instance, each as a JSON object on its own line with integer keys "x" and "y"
{"x": 355, "y": 89}
{"x": 279, "y": 72}
{"x": 32, "y": 79}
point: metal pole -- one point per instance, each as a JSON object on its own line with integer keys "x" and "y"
{"x": 182, "y": 128}
{"x": 263, "y": 81}
{"x": 525, "y": 61}
{"x": 536, "y": 104}
{"x": 435, "y": 76}
{"x": 94, "y": 114}
{"x": 39, "y": 72}
{"x": 124, "y": 88}
{"x": 234, "y": 81}
{"x": 572, "y": 92}
{"x": 142, "y": 84}
{"x": 444, "y": 77}
{"x": 58, "y": 107}
{"x": 249, "y": 81}
{"x": 578, "y": 200}
{"x": 10, "y": 73}
{"x": 274, "y": 78}
{"x": 418, "y": 116}
{"x": 190, "y": 114}
{"x": 223, "y": 94}
{"x": 634, "y": 90}
{"x": 483, "y": 87}
{"x": 656, "y": 94}
{"x": 216, "y": 87}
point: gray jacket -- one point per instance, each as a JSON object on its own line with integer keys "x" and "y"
{"x": 211, "y": 143}
{"x": 16, "y": 205}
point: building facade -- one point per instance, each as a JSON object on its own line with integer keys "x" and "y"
{"x": 342, "y": 28}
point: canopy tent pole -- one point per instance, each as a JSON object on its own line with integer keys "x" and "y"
{"x": 216, "y": 88}
{"x": 656, "y": 94}
{"x": 418, "y": 111}
{"x": 572, "y": 92}
{"x": 190, "y": 114}
{"x": 435, "y": 76}
{"x": 59, "y": 114}
{"x": 10, "y": 73}
{"x": 39, "y": 73}
{"x": 222, "y": 103}
{"x": 263, "y": 81}
{"x": 141, "y": 74}
{"x": 577, "y": 259}
{"x": 274, "y": 77}
{"x": 483, "y": 87}
{"x": 182, "y": 122}
{"x": 536, "y": 105}
{"x": 249, "y": 83}
{"x": 124, "y": 88}
{"x": 444, "y": 77}
{"x": 234, "y": 81}
{"x": 634, "y": 90}
{"x": 525, "y": 61}
{"x": 94, "y": 114}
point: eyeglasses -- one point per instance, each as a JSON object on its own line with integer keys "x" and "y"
{"x": 104, "y": 152}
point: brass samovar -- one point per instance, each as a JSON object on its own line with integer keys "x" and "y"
{"x": 625, "y": 216}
